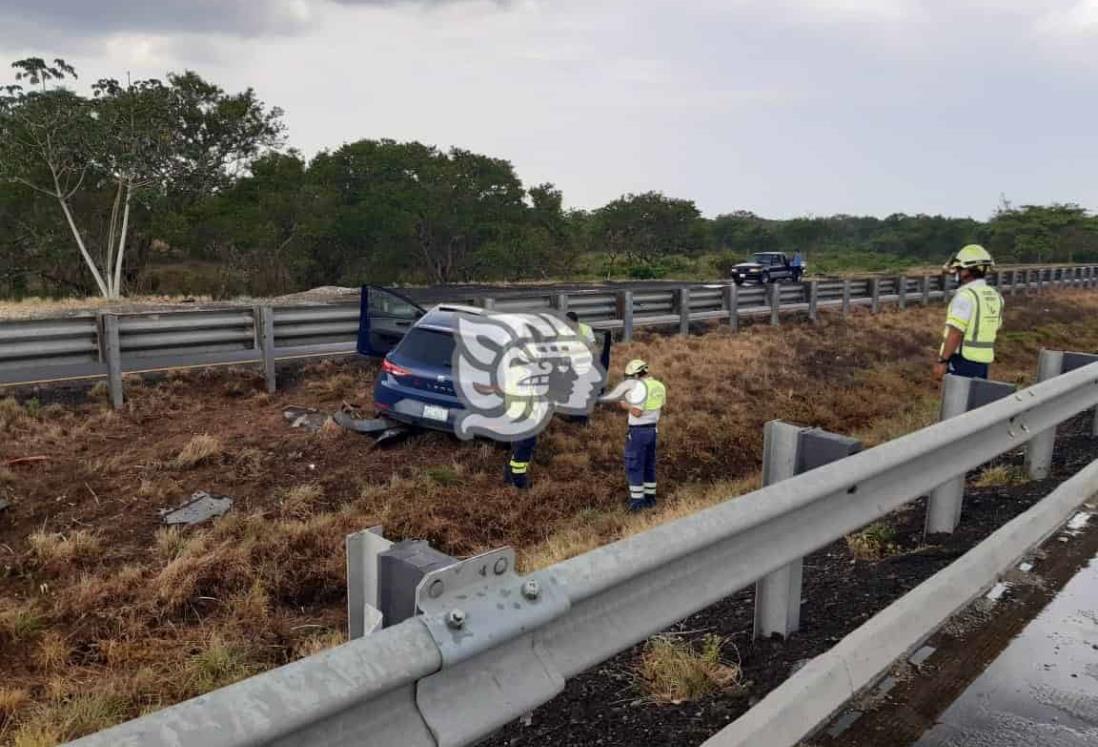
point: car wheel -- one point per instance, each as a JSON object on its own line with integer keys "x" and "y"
{"x": 737, "y": 280}
{"x": 764, "y": 278}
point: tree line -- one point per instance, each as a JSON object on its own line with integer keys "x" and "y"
{"x": 179, "y": 186}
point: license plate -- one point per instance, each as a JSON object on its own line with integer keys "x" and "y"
{"x": 433, "y": 412}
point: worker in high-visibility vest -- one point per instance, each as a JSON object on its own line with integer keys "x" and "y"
{"x": 585, "y": 332}
{"x": 974, "y": 317}
{"x": 643, "y": 397}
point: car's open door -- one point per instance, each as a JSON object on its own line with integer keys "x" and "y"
{"x": 384, "y": 318}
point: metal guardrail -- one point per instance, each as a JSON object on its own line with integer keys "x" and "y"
{"x": 110, "y": 345}
{"x": 448, "y": 678}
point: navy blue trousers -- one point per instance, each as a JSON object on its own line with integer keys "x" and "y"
{"x": 640, "y": 462}
{"x": 517, "y": 472}
{"x": 958, "y": 366}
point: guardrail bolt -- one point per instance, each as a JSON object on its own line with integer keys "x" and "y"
{"x": 500, "y": 567}
{"x": 531, "y": 590}
{"x": 435, "y": 589}
{"x": 456, "y": 619}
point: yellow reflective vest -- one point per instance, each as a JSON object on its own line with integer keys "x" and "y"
{"x": 978, "y": 343}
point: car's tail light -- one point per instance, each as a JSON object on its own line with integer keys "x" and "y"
{"x": 391, "y": 368}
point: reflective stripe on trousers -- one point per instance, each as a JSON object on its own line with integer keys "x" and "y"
{"x": 640, "y": 462}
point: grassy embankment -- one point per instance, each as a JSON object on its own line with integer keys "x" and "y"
{"x": 104, "y": 614}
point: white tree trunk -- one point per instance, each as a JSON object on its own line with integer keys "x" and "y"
{"x": 116, "y": 287}
{"x": 83, "y": 249}
{"x": 112, "y": 232}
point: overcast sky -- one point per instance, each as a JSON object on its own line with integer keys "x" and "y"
{"x": 782, "y": 107}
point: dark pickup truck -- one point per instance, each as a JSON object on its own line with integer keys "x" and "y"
{"x": 766, "y": 267}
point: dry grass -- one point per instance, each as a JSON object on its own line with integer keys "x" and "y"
{"x": 590, "y": 528}
{"x": 70, "y": 716}
{"x": 54, "y": 549}
{"x": 33, "y": 306}
{"x": 876, "y": 541}
{"x": 201, "y": 449}
{"x": 52, "y": 652}
{"x": 1001, "y": 475}
{"x": 20, "y": 623}
{"x": 318, "y": 642}
{"x": 171, "y": 542}
{"x": 219, "y": 664}
{"x": 300, "y": 501}
{"x": 11, "y": 700}
{"x": 671, "y": 670}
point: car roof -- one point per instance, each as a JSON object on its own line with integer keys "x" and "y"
{"x": 443, "y": 317}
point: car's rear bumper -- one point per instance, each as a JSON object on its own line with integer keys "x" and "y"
{"x": 408, "y": 405}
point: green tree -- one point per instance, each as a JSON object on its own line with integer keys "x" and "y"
{"x": 185, "y": 137}
{"x": 646, "y": 226}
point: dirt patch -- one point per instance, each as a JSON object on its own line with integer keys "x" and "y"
{"x": 606, "y": 706}
{"x": 149, "y": 616}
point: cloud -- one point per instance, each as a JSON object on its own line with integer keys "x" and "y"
{"x": 248, "y": 18}
{"x": 243, "y": 17}
{"x": 1079, "y": 19}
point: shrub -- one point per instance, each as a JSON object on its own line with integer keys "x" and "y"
{"x": 200, "y": 449}
{"x": 672, "y": 670}
{"x": 873, "y": 543}
{"x": 1002, "y": 475}
{"x": 56, "y": 549}
{"x": 443, "y": 475}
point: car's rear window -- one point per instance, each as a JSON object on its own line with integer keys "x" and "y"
{"x": 426, "y": 347}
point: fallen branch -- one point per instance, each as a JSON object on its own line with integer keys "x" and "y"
{"x": 25, "y": 460}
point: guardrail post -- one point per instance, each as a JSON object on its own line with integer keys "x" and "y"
{"x": 1013, "y": 282}
{"x": 813, "y": 300}
{"x": 924, "y": 289}
{"x": 874, "y": 295}
{"x": 731, "y": 299}
{"x": 778, "y": 595}
{"x": 775, "y": 304}
{"x": 110, "y": 349}
{"x": 846, "y": 296}
{"x": 901, "y": 291}
{"x": 1050, "y": 363}
{"x": 265, "y": 344}
{"x": 625, "y": 310}
{"x": 560, "y": 302}
{"x": 1040, "y": 281}
{"x": 789, "y": 450}
{"x": 363, "y": 605}
{"x": 488, "y": 303}
{"x": 959, "y": 395}
{"x": 943, "y": 508}
{"x": 683, "y": 302}
{"x": 945, "y": 287}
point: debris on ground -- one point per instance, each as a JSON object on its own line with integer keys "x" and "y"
{"x": 308, "y": 418}
{"x": 372, "y": 426}
{"x": 202, "y": 506}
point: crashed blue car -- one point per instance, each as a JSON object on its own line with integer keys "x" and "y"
{"x": 415, "y": 386}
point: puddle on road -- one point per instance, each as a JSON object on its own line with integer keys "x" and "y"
{"x": 1042, "y": 689}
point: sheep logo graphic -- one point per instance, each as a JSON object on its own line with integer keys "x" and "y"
{"x": 513, "y": 371}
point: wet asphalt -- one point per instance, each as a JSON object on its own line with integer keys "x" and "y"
{"x": 1042, "y": 690}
